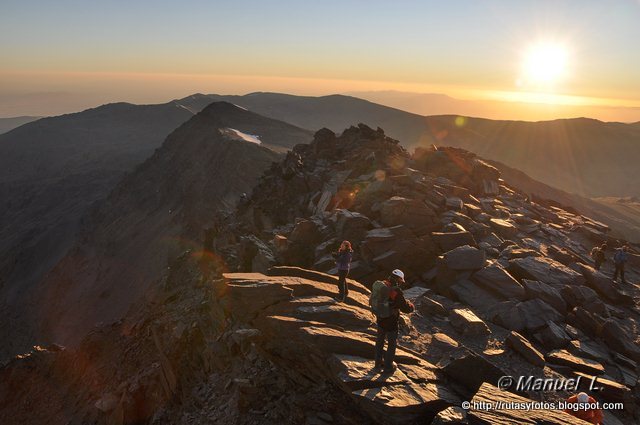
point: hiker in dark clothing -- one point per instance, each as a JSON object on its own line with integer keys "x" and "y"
{"x": 598, "y": 255}
{"x": 388, "y": 325}
{"x": 619, "y": 260}
{"x": 343, "y": 261}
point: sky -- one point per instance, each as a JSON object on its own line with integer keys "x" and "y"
{"x": 67, "y": 55}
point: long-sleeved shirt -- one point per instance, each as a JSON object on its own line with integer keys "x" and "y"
{"x": 343, "y": 260}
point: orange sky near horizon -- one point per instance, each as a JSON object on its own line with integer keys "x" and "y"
{"x": 577, "y": 55}
{"x": 52, "y": 96}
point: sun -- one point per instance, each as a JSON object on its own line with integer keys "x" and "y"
{"x": 545, "y": 64}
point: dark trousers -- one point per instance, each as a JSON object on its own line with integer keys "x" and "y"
{"x": 598, "y": 264}
{"x": 619, "y": 270}
{"x": 343, "y": 286}
{"x": 392, "y": 338}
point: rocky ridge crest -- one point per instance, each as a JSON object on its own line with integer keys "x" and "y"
{"x": 251, "y": 334}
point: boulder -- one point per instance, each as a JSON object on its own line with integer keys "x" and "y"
{"x": 624, "y": 361}
{"x": 493, "y": 240}
{"x": 629, "y": 376}
{"x": 303, "y": 239}
{"x": 523, "y": 347}
{"x": 565, "y": 358}
{"x": 514, "y": 251}
{"x": 499, "y": 281}
{"x": 589, "y": 350}
{"x": 545, "y": 270}
{"x": 609, "y": 390}
{"x": 314, "y": 275}
{"x": 357, "y": 373}
{"x": 551, "y": 295}
{"x": 453, "y": 415}
{"x": 413, "y": 213}
{"x": 453, "y": 227}
{"x": 620, "y": 339}
{"x": 383, "y": 234}
{"x": 503, "y": 228}
{"x": 472, "y": 209}
{"x": 578, "y": 295}
{"x": 530, "y": 315}
{"x": 372, "y": 194}
{"x": 466, "y": 322}
{"x": 246, "y": 293}
{"x": 430, "y": 307}
{"x": 448, "y": 241}
{"x": 352, "y": 226}
{"x": 441, "y": 344}
{"x": 415, "y": 292}
{"x": 464, "y": 258}
{"x": 257, "y": 256}
{"x": 454, "y": 203}
{"x": 305, "y": 232}
{"x": 403, "y": 403}
{"x": 397, "y": 244}
{"x": 490, "y": 395}
{"x": 470, "y": 370}
{"x": 327, "y": 311}
{"x": 553, "y": 336}
{"x": 604, "y": 286}
{"x": 561, "y": 255}
{"x": 324, "y": 264}
{"x": 473, "y": 295}
{"x": 583, "y": 319}
{"x": 388, "y": 260}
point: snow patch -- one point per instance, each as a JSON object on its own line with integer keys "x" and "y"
{"x": 234, "y": 134}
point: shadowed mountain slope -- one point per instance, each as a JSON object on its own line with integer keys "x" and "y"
{"x": 128, "y": 238}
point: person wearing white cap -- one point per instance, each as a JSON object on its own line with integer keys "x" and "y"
{"x": 387, "y": 301}
{"x": 591, "y": 413}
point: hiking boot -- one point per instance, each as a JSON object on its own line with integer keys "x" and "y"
{"x": 389, "y": 370}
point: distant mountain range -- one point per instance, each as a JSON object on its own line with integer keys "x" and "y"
{"x": 439, "y": 104}
{"x": 583, "y": 156}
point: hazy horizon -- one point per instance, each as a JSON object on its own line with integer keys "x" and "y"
{"x": 560, "y": 57}
{"x": 432, "y": 104}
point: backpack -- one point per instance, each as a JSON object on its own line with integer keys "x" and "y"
{"x": 597, "y": 254}
{"x": 379, "y": 300}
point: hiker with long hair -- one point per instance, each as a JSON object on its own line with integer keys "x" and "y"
{"x": 343, "y": 262}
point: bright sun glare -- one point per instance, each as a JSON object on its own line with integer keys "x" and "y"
{"x": 545, "y": 64}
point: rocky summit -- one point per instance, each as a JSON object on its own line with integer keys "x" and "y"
{"x": 246, "y": 331}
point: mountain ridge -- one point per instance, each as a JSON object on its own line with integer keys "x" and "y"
{"x": 154, "y": 211}
{"x": 575, "y": 145}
